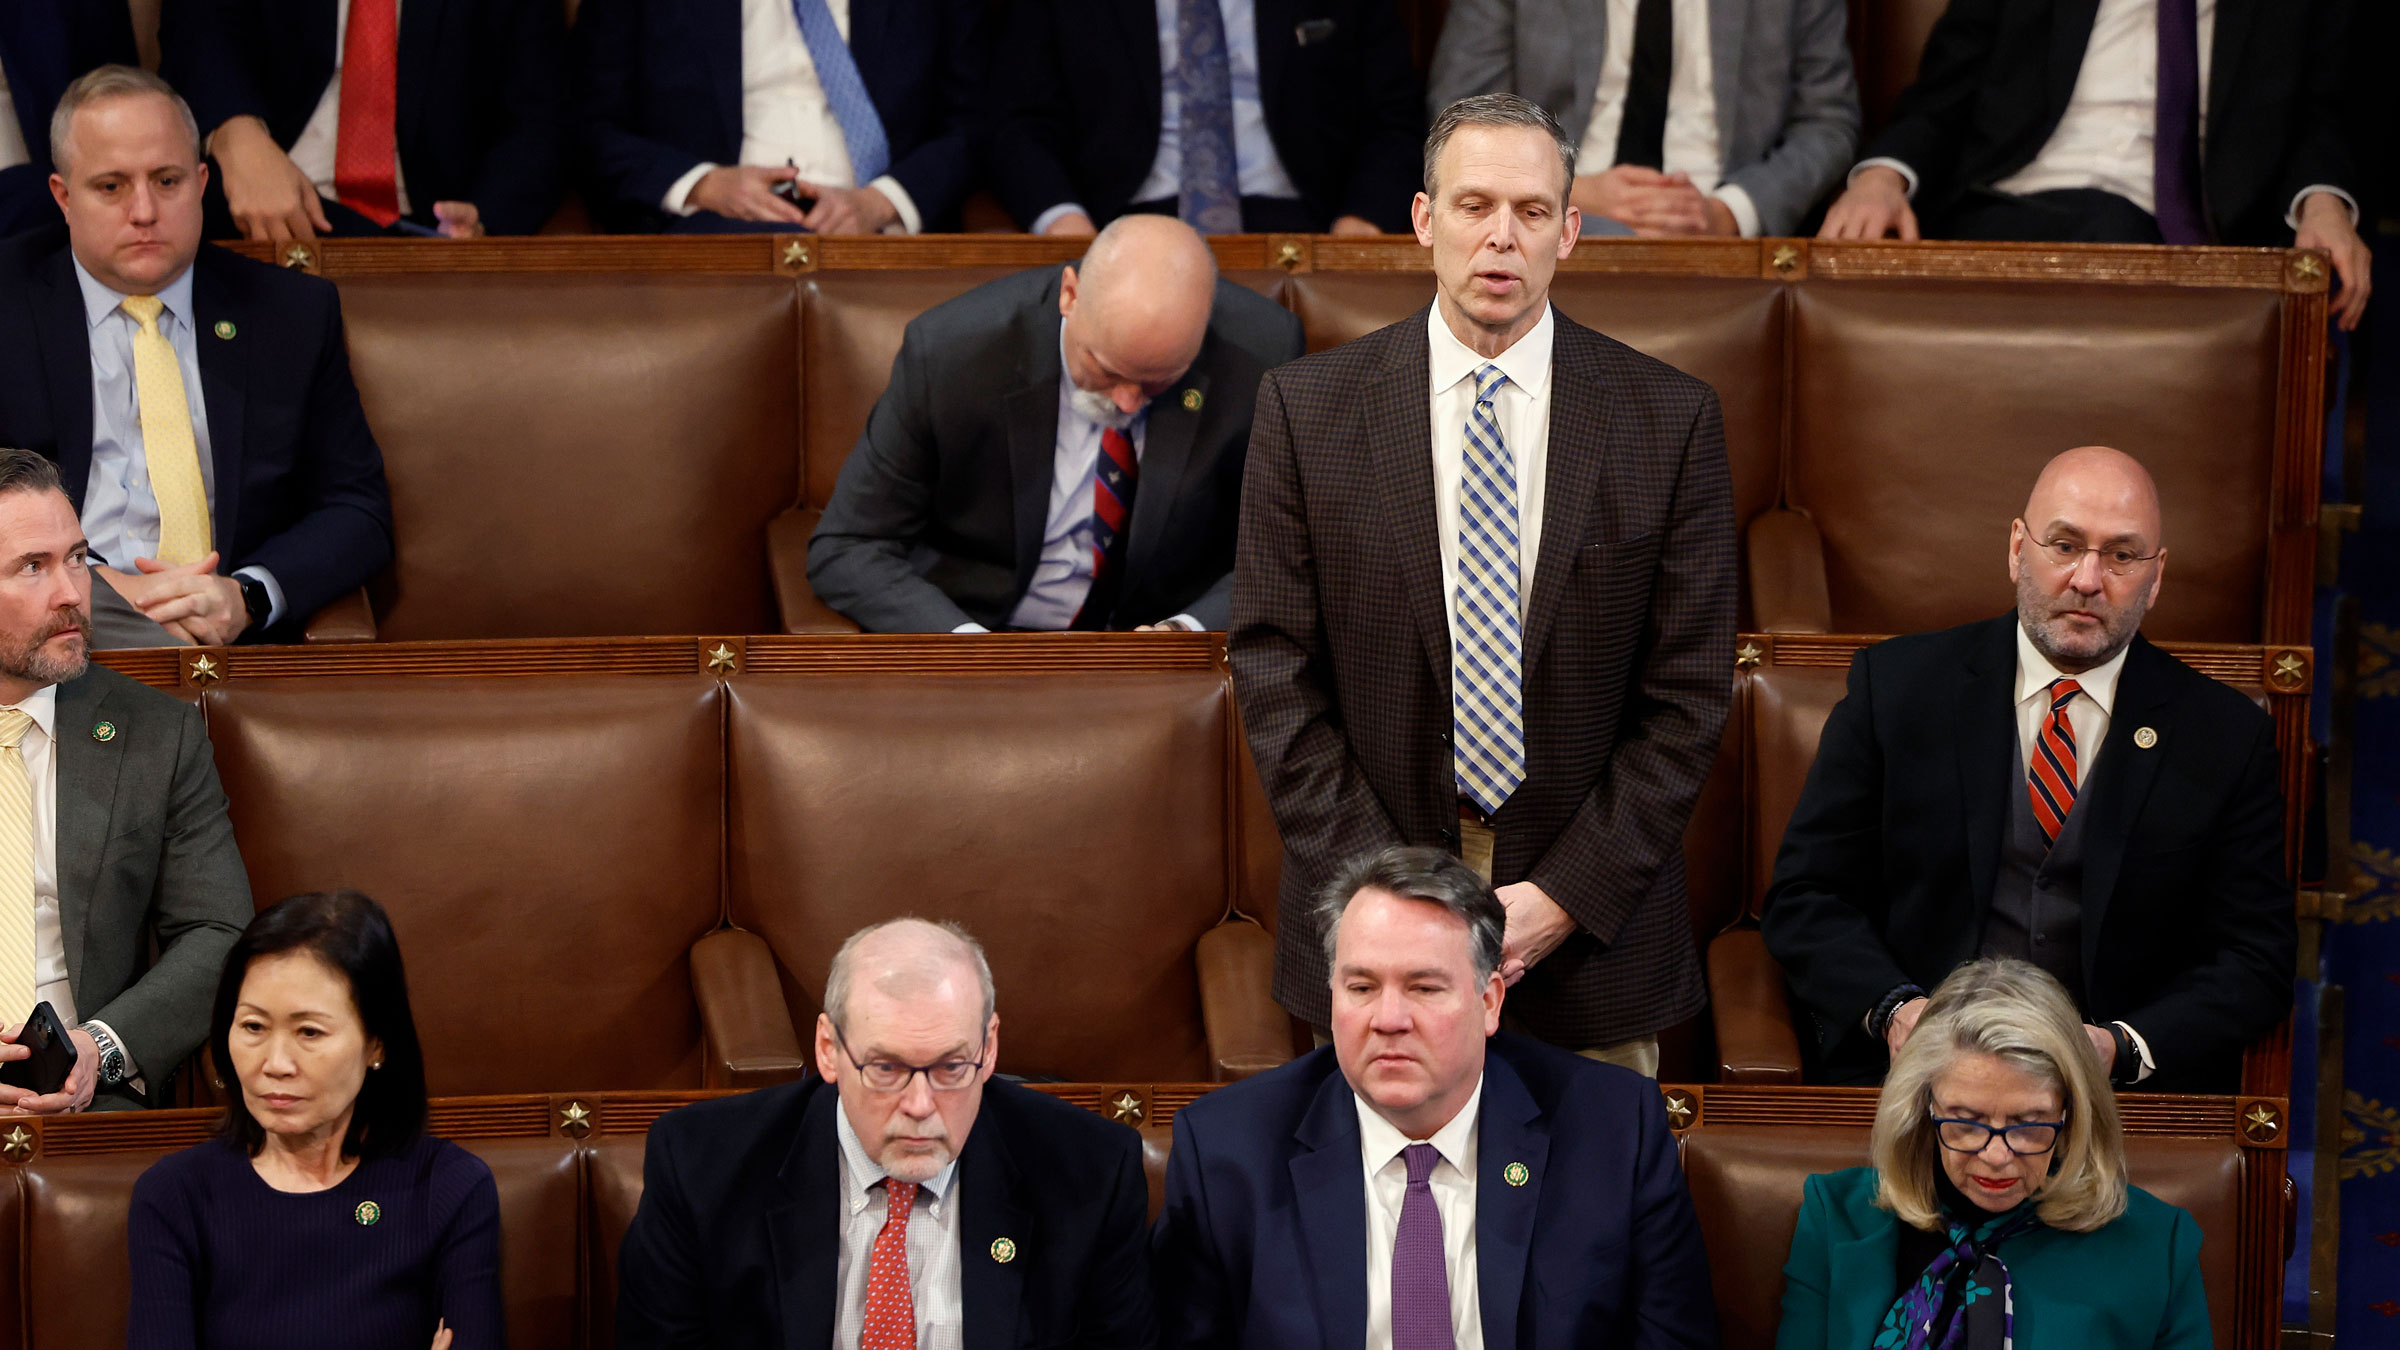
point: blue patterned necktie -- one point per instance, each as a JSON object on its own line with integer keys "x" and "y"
{"x": 1209, "y": 198}
{"x": 1420, "y": 1271}
{"x": 845, "y": 92}
{"x": 1485, "y": 684}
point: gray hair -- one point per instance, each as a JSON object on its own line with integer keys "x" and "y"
{"x": 103, "y": 84}
{"x": 837, "y": 980}
{"x": 1427, "y": 874}
{"x": 26, "y": 471}
{"x": 1497, "y": 110}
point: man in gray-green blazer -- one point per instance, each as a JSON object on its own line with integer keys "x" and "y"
{"x": 112, "y": 828}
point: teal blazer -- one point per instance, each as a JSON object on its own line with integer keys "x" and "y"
{"x": 2133, "y": 1285}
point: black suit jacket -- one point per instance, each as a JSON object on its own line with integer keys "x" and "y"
{"x": 659, "y": 89}
{"x": 1996, "y": 75}
{"x": 481, "y": 87}
{"x": 1341, "y": 657}
{"x": 44, "y": 45}
{"x": 299, "y": 480}
{"x": 739, "y": 1231}
{"x": 1075, "y": 92}
{"x": 938, "y": 515}
{"x": 1887, "y": 867}
{"x": 1262, "y": 1239}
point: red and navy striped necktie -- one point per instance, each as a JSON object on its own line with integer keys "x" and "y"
{"x": 2050, "y": 777}
{"x": 1114, "y": 479}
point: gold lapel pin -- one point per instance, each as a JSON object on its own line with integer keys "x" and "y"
{"x": 104, "y": 731}
{"x": 367, "y": 1213}
{"x": 1516, "y": 1174}
{"x": 1004, "y": 1250}
{"x": 225, "y": 329}
{"x": 2145, "y": 738}
{"x": 1192, "y": 400}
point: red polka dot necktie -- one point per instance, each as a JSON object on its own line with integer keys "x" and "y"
{"x": 891, "y": 1317}
{"x": 2050, "y": 777}
{"x": 366, "y": 173}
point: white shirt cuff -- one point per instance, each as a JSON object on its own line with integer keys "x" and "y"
{"x": 677, "y": 201}
{"x": 1745, "y": 211}
{"x": 1886, "y": 162}
{"x": 2292, "y": 217}
{"x": 970, "y": 626}
{"x": 274, "y": 592}
{"x": 910, "y": 222}
{"x": 2140, "y": 1047}
{"x": 1043, "y": 222}
{"x": 1185, "y": 622}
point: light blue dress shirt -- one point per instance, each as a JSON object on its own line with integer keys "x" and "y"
{"x": 1259, "y": 171}
{"x": 120, "y": 512}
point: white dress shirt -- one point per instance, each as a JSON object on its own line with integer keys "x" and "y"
{"x": 12, "y": 136}
{"x": 314, "y": 152}
{"x": 785, "y": 117}
{"x": 933, "y": 1265}
{"x": 1453, "y": 1187}
{"x": 39, "y": 750}
{"x": 1259, "y": 171}
{"x": 1693, "y": 145}
{"x": 2089, "y": 715}
{"x": 120, "y": 511}
{"x": 2107, "y": 137}
{"x": 1523, "y": 413}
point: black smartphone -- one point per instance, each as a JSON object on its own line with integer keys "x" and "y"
{"x": 53, "y": 1058}
{"x": 789, "y": 190}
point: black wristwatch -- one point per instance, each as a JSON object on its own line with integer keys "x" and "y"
{"x": 256, "y": 600}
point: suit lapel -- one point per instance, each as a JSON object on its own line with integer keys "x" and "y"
{"x": 1862, "y": 1283}
{"x": 2225, "y": 49}
{"x": 1400, "y": 447}
{"x": 1030, "y": 412}
{"x": 804, "y": 1227}
{"x": 87, "y": 789}
{"x": 1512, "y": 1132}
{"x": 2070, "y": 38}
{"x": 224, "y": 384}
{"x": 719, "y": 25}
{"x": 1167, "y": 445}
{"x": 420, "y": 33}
{"x": 991, "y": 1289}
{"x": 866, "y": 42}
{"x": 1587, "y": 31}
{"x": 1139, "y": 41}
{"x": 1987, "y": 754}
{"x": 2119, "y": 784}
{"x": 1580, "y": 428}
{"x": 66, "y": 347}
{"x": 1329, "y": 1192}
{"x": 1728, "y": 26}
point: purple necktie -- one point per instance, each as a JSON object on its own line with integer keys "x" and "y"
{"x": 1420, "y": 1277}
{"x": 2175, "y": 170}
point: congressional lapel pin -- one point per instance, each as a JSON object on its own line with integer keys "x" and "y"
{"x": 1516, "y": 1174}
{"x": 1192, "y": 400}
{"x": 2145, "y": 738}
{"x": 225, "y": 329}
{"x": 367, "y": 1213}
{"x": 1004, "y": 1250}
{"x": 104, "y": 731}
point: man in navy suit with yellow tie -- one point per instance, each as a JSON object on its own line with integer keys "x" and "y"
{"x": 1421, "y": 1183}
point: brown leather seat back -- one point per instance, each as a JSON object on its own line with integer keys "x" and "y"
{"x": 547, "y": 847}
{"x": 1075, "y": 823}
{"x": 1886, "y": 39}
{"x": 579, "y": 455}
{"x": 613, "y": 1165}
{"x": 1745, "y": 1182}
{"x": 1788, "y": 708}
{"x": 1923, "y": 410}
{"x": 851, "y": 324}
{"x": 540, "y": 1182}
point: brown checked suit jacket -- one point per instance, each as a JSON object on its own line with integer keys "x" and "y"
{"x": 1341, "y": 659}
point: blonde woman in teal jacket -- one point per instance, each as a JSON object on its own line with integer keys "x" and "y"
{"x": 1996, "y": 1214}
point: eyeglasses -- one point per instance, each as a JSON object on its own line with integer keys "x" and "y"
{"x": 2029, "y": 1140}
{"x": 888, "y": 1075}
{"x": 2066, "y": 555}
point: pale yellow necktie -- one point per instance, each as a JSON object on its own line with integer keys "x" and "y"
{"x": 167, "y": 445}
{"x": 16, "y": 871}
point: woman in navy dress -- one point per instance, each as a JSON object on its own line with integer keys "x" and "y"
{"x": 322, "y": 1214}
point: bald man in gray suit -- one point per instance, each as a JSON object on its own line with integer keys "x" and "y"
{"x": 1758, "y": 120}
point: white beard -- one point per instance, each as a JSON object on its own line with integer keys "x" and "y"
{"x": 1097, "y": 410}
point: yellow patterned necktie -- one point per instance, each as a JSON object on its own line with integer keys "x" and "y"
{"x": 167, "y": 445}
{"x": 16, "y": 871}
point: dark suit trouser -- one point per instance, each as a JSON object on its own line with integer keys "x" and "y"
{"x": 2066, "y": 216}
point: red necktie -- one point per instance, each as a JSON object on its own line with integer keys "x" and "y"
{"x": 2050, "y": 778}
{"x": 891, "y": 1316}
{"x": 365, "y": 172}
{"x": 1114, "y": 479}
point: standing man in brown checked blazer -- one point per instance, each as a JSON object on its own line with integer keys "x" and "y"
{"x": 1484, "y": 597}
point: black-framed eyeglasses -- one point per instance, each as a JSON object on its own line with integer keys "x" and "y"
{"x": 2066, "y": 555}
{"x": 2031, "y": 1139}
{"x": 890, "y": 1075}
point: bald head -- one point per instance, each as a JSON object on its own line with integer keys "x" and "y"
{"x": 910, "y": 962}
{"x": 2087, "y": 556}
{"x": 1136, "y": 309}
{"x": 2095, "y": 483}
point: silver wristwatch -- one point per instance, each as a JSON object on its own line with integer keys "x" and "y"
{"x": 112, "y": 1055}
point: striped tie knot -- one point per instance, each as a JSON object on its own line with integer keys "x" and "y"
{"x": 1488, "y": 380}
{"x": 13, "y": 722}
{"x": 2062, "y": 693}
{"x": 144, "y": 309}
